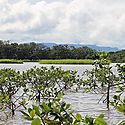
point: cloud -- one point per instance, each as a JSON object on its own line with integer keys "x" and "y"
{"x": 85, "y": 21}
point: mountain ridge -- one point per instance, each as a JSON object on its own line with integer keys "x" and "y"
{"x": 95, "y": 47}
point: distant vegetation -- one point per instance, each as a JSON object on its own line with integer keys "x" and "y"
{"x": 35, "y": 52}
{"x": 118, "y": 57}
{"x": 67, "y": 61}
{"x": 10, "y": 61}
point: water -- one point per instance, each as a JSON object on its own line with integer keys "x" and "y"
{"x": 84, "y": 103}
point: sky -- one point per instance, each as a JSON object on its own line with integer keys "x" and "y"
{"x": 99, "y": 22}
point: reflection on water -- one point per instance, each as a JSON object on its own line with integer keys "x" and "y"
{"x": 27, "y": 65}
{"x": 87, "y": 104}
{"x": 83, "y": 103}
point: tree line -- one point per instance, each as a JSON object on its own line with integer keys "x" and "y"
{"x": 34, "y": 51}
{"x": 118, "y": 57}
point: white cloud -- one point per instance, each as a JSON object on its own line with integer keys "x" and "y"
{"x": 100, "y": 22}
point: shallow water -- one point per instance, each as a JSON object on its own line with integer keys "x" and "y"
{"x": 84, "y": 103}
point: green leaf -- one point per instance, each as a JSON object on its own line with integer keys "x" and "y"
{"x": 46, "y": 107}
{"x": 36, "y": 121}
{"x": 78, "y": 117}
{"x": 56, "y": 109}
{"x": 88, "y": 120}
{"x": 67, "y": 106}
{"x": 60, "y": 95}
{"x": 1, "y": 98}
{"x": 3, "y": 105}
{"x": 105, "y": 54}
{"x": 121, "y": 108}
{"x": 36, "y": 108}
{"x": 7, "y": 97}
{"x": 29, "y": 110}
{"x": 32, "y": 113}
{"x": 101, "y": 116}
{"x": 52, "y": 122}
{"x": 100, "y": 121}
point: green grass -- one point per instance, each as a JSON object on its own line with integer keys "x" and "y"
{"x": 67, "y": 61}
{"x": 11, "y": 61}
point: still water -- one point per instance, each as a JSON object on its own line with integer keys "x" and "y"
{"x": 84, "y": 103}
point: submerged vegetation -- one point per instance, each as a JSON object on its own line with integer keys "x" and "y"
{"x": 67, "y": 61}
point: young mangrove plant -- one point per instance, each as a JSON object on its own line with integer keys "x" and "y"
{"x": 57, "y": 112}
{"x": 101, "y": 78}
{"x": 47, "y": 83}
{"x": 49, "y": 86}
{"x": 10, "y": 84}
{"x": 119, "y": 98}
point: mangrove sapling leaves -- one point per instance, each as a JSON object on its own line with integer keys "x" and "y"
{"x": 56, "y": 109}
{"x": 53, "y": 82}
{"x": 29, "y": 116}
{"x": 121, "y": 88}
{"x": 78, "y": 117}
{"x": 29, "y": 110}
{"x": 119, "y": 100}
{"x": 59, "y": 96}
{"x": 100, "y": 121}
{"x": 37, "y": 110}
{"x": 45, "y": 107}
{"x": 116, "y": 97}
{"x": 52, "y": 122}
{"x": 59, "y": 113}
{"x": 88, "y": 120}
{"x": 67, "y": 106}
{"x": 47, "y": 80}
{"x": 32, "y": 113}
{"x": 26, "y": 116}
{"x": 36, "y": 121}
{"x": 24, "y": 103}
{"x": 105, "y": 54}
{"x": 11, "y": 83}
{"x": 101, "y": 78}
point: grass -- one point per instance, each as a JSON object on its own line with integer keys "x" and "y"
{"x": 11, "y": 61}
{"x": 67, "y": 61}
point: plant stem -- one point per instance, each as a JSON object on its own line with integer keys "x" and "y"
{"x": 108, "y": 94}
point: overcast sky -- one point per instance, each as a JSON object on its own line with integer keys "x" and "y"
{"x": 100, "y": 22}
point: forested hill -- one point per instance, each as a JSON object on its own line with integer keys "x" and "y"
{"x": 33, "y": 51}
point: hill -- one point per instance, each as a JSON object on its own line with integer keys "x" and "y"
{"x": 95, "y": 47}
